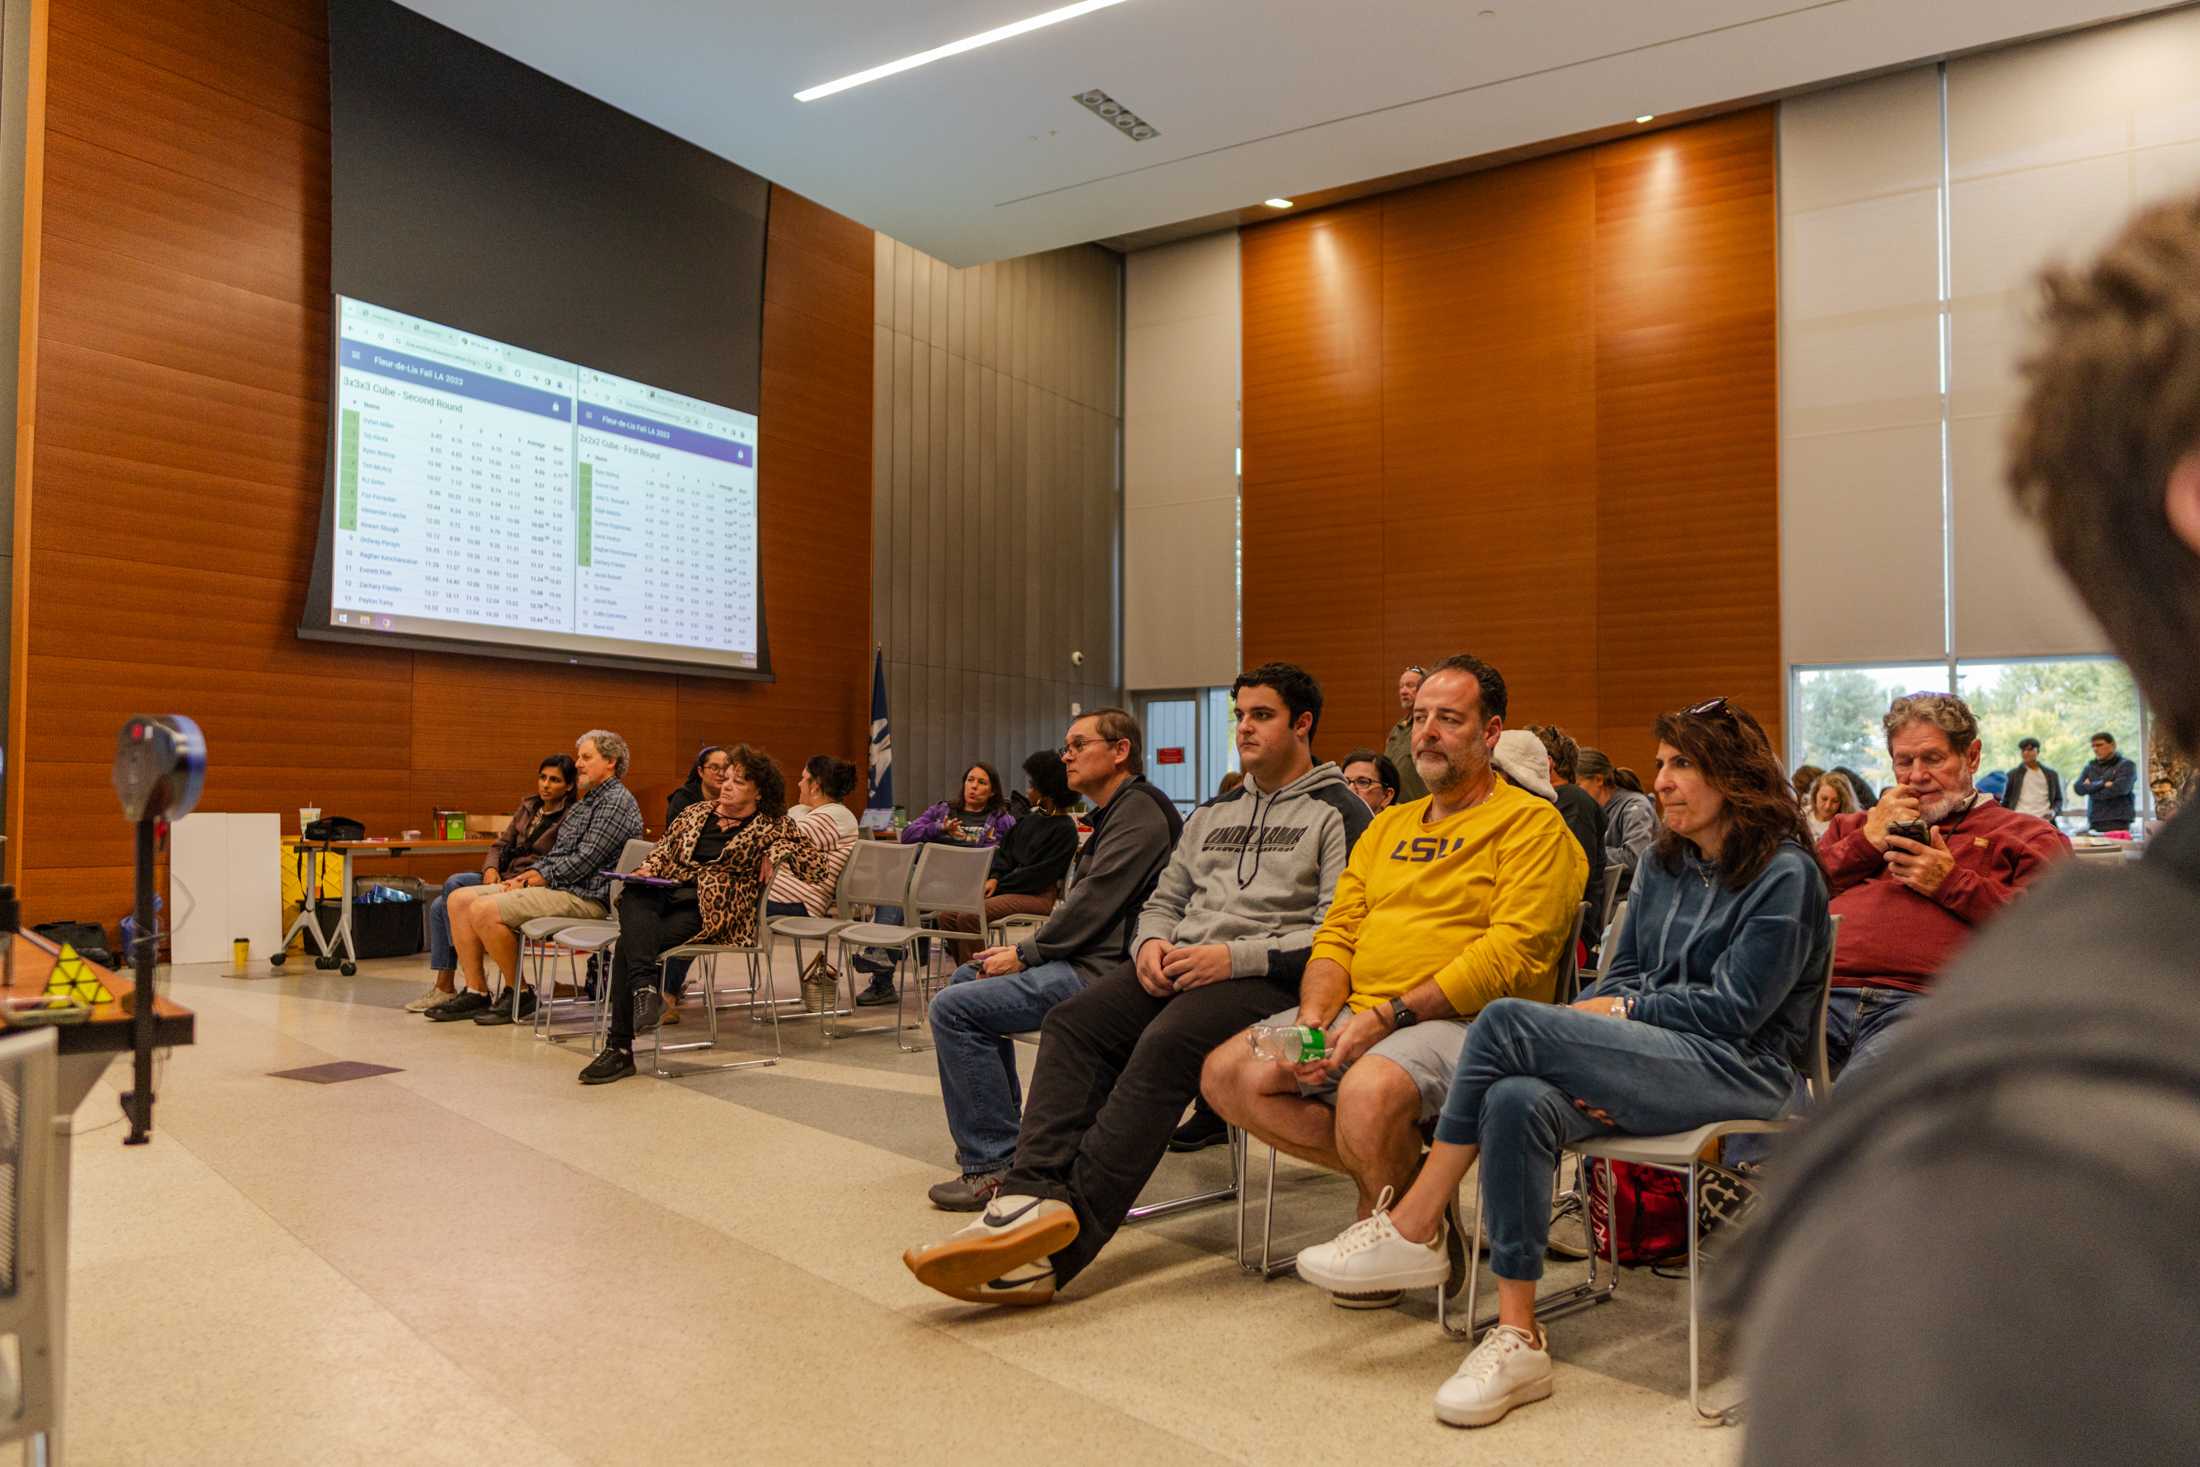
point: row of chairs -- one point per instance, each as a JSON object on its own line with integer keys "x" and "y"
{"x": 926, "y": 883}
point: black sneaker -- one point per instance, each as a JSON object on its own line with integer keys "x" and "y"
{"x": 501, "y": 1011}
{"x": 613, "y": 1064}
{"x": 1203, "y": 1130}
{"x": 462, "y": 1005}
{"x": 880, "y": 992}
{"x": 649, "y": 1008}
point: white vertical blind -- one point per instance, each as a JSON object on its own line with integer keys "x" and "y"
{"x": 1861, "y": 574}
{"x": 1180, "y": 442}
{"x": 2051, "y": 147}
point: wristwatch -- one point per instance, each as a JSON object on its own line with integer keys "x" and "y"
{"x": 1401, "y": 1015}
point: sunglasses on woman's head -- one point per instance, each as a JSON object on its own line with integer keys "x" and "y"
{"x": 1717, "y": 707}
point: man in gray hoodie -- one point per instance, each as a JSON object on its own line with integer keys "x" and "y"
{"x": 1221, "y": 944}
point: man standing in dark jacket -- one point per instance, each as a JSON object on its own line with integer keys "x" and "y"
{"x": 2033, "y": 787}
{"x": 2106, "y": 784}
{"x": 1010, "y": 990}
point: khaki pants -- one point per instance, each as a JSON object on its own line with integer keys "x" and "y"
{"x": 529, "y": 902}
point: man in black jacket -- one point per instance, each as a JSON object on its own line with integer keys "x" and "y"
{"x": 2046, "y": 1116}
{"x": 2107, "y": 784}
{"x": 2033, "y": 788}
{"x": 1010, "y": 990}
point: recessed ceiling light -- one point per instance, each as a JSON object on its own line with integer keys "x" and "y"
{"x": 956, "y": 48}
{"x": 1646, "y": 117}
{"x": 1277, "y": 203}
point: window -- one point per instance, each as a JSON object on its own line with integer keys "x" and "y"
{"x": 1837, "y": 713}
{"x": 2061, "y": 701}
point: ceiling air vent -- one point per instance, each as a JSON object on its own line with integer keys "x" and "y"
{"x": 1116, "y": 115}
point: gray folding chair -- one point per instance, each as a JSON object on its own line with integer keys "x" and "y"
{"x": 30, "y": 1308}
{"x": 1568, "y": 986}
{"x": 1606, "y": 895}
{"x": 579, "y": 937}
{"x": 1607, "y": 945}
{"x": 948, "y": 880}
{"x": 1682, "y": 1152}
{"x": 877, "y": 875}
{"x": 758, "y": 956}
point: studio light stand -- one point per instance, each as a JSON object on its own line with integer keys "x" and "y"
{"x": 160, "y": 767}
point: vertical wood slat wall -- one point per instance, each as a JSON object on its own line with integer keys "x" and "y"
{"x": 181, "y": 397}
{"x": 1532, "y": 414}
{"x": 995, "y": 447}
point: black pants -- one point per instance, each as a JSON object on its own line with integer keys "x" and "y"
{"x": 649, "y": 922}
{"x": 1116, "y": 1068}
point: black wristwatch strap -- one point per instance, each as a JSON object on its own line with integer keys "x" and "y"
{"x": 1402, "y": 1015}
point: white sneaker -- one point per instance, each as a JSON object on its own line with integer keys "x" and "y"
{"x": 1506, "y": 1370}
{"x": 428, "y": 1000}
{"x": 1372, "y": 1260}
{"x": 1003, "y": 1257}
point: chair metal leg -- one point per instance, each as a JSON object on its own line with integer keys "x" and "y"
{"x": 1265, "y": 1268}
{"x": 1554, "y": 1305}
{"x": 1176, "y": 1205}
{"x": 1726, "y": 1415}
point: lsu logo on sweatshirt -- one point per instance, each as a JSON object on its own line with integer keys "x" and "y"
{"x": 1423, "y": 848}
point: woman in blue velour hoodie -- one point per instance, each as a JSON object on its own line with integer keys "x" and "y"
{"x": 1702, "y": 1016}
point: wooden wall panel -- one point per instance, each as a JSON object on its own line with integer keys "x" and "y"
{"x": 1527, "y": 413}
{"x": 1313, "y": 454}
{"x": 1688, "y": 533}
{"x": 182, "y": 380}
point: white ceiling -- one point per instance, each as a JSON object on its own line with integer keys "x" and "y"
{"x": 985, "y": 155}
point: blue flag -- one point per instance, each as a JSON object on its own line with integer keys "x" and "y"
{"x": 878, "y": 811}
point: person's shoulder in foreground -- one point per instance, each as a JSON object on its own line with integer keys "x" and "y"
{"x": 1982, "y": 1250}
{"x": 2019, "y": 1193}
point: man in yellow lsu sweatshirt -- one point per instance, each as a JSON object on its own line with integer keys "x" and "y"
{"x": 1446, "y": 904}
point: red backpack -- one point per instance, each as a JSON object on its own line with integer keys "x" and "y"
{"x": 1651, "y": 1205}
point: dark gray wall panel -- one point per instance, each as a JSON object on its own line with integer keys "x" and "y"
{"x": 998, "y": 504}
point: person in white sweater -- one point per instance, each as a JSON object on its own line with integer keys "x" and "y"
{"x": 823, "y": 816}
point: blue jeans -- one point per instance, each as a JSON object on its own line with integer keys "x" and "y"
{"x": 1527, "y": 1063}
{"x": 1860, "y": 1026}
{"x": 971, "y": 1023}
{"x": 442, "y": 956}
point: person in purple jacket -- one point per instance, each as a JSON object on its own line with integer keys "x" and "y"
{"x": 978, "y": 817}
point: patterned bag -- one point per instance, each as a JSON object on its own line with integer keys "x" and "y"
{"x": 820, "y": 985}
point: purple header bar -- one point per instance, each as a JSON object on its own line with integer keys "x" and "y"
{"x": 664, "y": 435}
{"x": 458, "y": 381}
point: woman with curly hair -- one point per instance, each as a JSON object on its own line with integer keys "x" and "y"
{"x": 1702, "y": 1015}
{"x": 710, "y": 872}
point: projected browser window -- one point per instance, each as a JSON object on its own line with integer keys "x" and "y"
{"x": 487, "y": 493}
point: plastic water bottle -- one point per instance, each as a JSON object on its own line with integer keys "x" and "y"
{"x": 1290, "y": 1044}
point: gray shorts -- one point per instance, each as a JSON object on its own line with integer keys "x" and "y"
{"x": 1428, "y": 1052}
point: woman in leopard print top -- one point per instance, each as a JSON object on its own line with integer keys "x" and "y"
{"x": 719, "y": 857}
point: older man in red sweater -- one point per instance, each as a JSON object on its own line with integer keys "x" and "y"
{"x": 1914, "y": 875}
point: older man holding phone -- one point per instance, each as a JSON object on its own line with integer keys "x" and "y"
{"x": 1916, "y": 873}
